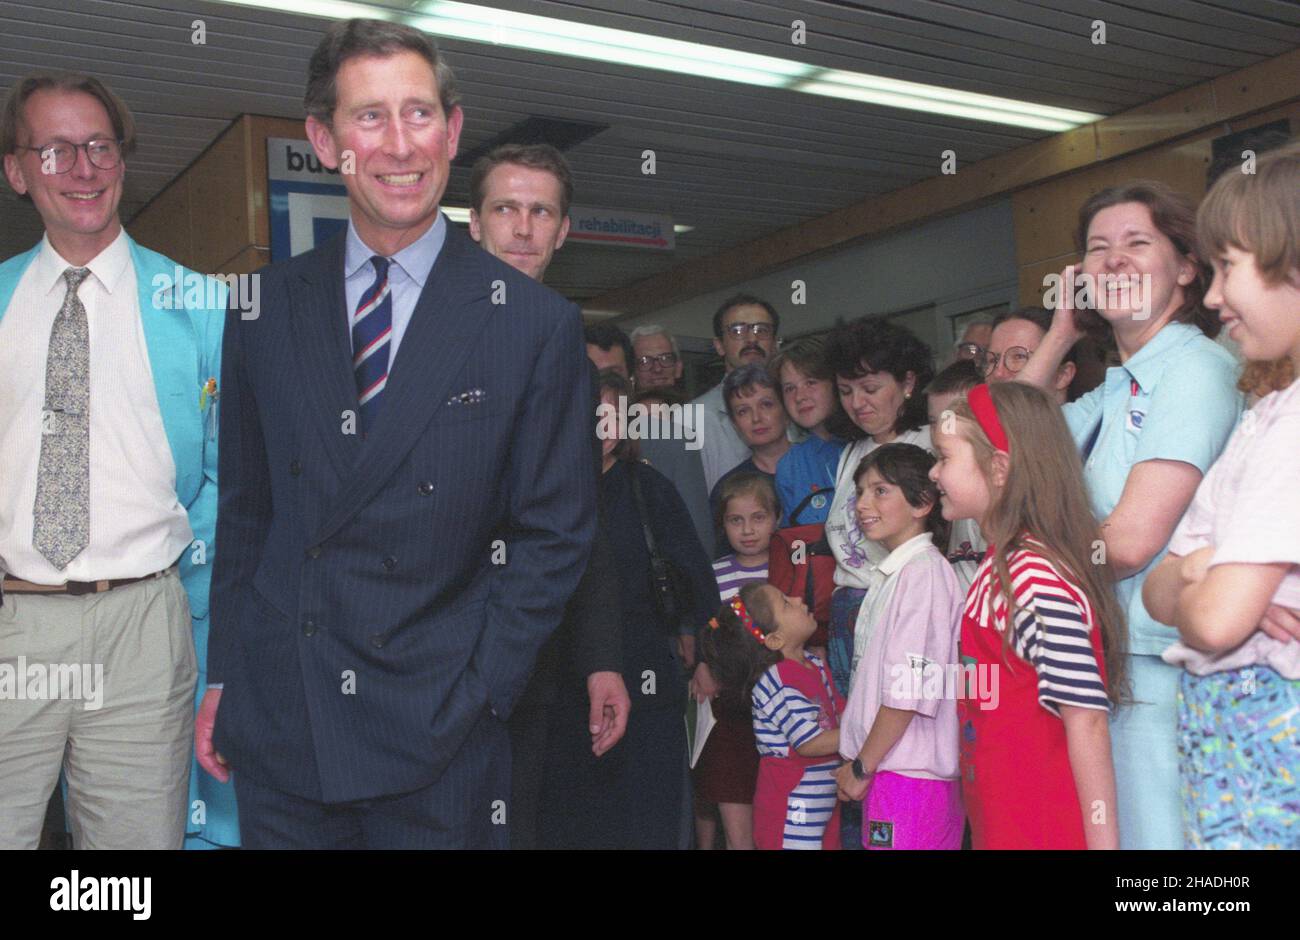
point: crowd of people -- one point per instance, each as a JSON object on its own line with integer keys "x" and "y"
{"x": 1032, "y": 598}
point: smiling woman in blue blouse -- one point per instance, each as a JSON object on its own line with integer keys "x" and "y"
{"x": 1147, "y": 435}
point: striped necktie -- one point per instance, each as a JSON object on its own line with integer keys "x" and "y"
{"x": 372, "y": 329}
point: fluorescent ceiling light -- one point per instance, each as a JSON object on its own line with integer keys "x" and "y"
{"x": 456, "y": 20}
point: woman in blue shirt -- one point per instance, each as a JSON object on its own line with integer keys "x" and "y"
{"x": 1147, "y": 435}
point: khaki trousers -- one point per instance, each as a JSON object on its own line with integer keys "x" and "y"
{"x": 102, "y": 686}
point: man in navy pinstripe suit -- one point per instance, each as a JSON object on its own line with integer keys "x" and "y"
{"x": 407, "y": 497}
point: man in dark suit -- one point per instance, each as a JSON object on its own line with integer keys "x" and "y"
{"x": 408, "y": 493}
{"x": 519, "y": 211}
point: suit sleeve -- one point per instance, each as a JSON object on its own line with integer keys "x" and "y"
{"x": 596, "y": 611}
{"x": 244, "y": 506}
{"x": 550, "y": 483}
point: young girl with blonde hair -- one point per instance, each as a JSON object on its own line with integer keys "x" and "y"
{"x": 1041, "y": 624}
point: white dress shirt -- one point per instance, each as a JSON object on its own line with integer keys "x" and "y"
{"x": 137, "y": 525}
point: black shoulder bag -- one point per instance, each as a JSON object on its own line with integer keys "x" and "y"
{"x": 669, "y": 587}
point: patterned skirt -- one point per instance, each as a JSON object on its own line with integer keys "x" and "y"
{"x": 1239, "y": 759}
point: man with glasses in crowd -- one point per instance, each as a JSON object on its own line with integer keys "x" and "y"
{"x": 108, "y": 458}
{"x": 744, "y": 331}
{"x": 657, "y": 359}
{"x": 974, "y": 341}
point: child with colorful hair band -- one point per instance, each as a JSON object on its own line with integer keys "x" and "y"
{"x": 900, "y": 725}
{"x": 725, "y": 773}
{"x": 1040, "y": 627}
{"x": 757, "y": 643}
{"x": 1231, "y": 580}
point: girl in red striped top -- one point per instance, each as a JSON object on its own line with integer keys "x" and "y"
{"x": 1041, "y": 635}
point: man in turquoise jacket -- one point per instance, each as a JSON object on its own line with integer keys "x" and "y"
{"x": 108, "y": 495}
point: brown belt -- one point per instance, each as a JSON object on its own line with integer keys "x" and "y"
{"x": 77, "y": 588}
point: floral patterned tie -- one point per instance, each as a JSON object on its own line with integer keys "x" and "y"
{"x": 61, "y": 523}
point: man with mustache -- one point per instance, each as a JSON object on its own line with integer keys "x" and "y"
{"x": 519, "y": 211}
{"x": 744, "y": 331}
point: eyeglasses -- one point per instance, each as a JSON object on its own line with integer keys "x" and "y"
{"x": 60, "y": 157}
{"x": 1014, "y": 359}
{"x": 972, "y": 351}
{"x": 663, "y": 361}
{"x": 758, "y": 329}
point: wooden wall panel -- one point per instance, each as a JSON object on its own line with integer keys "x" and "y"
{"x": 164, "y": 224}
{"x": 247, "y": 261}
{"x": 259, "y": 129}
{"x": 219, "y": 187}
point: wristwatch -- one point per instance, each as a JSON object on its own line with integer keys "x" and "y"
{"x": 858, "y": 770}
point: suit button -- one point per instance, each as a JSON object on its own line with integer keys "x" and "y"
{"x": 295, "y": 468}
{"x": 377, "y": 640}
{"x": 309, "y": 628}
{"x": 390, "y": 563}
{"x": 313, "y": 552}
{"x": 425, "y": 488}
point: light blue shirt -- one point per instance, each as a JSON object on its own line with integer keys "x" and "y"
{"x": 1184, "y": 408}
{"x": 407, "y": 273}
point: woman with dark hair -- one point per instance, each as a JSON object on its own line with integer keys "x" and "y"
{"x": 1147, "y": 436}
{"x": 632, "y": 797}
{"x": 881, "y": 372}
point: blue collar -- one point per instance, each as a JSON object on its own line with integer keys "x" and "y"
{"x": 416, "y": 259}
{"x": 1149, "y": 363}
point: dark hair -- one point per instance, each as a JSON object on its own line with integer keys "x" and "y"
{"x": 757, "y": 485}
{"x": 734, "y": 655}
{"x": 347, "y": 39}
{"x": 809, "y": 356}
{"x": 1040, "y": 317}
{"x": 627, "y": 448}
{"x": 961, "y": 376}
{"x": 750, "y": 376}
{"x": 907, "y": 467}
{"x": 661, "y": 393}
{"x": 744, "y": 300}
{"x": 605, "y": 336}
{"x": 12, "y": 117}
{"x": 535, "y": 156}
{"x": 1175, "y": 216}
{"x": 872, "y": 345}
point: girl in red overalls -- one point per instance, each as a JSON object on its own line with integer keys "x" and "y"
{"x": 756, "y": 644}
{"x": 1041, "y": 632}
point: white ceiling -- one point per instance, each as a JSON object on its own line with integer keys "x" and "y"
{"x": 735, "y": 161}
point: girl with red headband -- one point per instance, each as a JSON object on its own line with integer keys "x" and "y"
{"x": 756, "y": 644}
{"x": 1041, "y": 629}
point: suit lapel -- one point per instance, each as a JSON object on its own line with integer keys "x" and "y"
{"x": 452, "y": 310}
{"x": 320, "y": 321}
